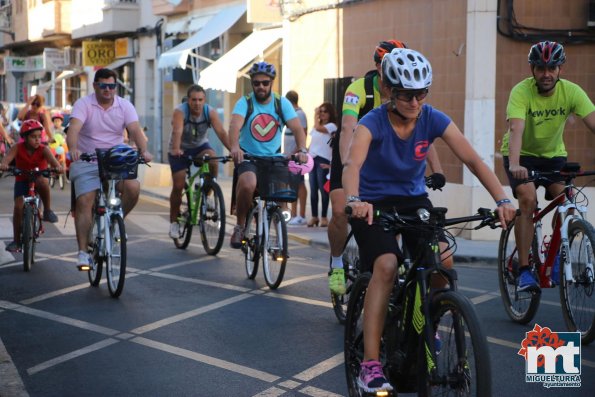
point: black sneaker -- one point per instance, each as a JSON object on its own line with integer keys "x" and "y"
{"x": 49, "y": 216}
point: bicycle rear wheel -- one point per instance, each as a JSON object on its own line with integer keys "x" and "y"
{"x": 350, "y": 266}
{"x": 576, "y": 293}
{"x": 28, "y": 237}
{"x": 462, "y": 366}
{"x": 520, "y": 306}
{"x": 212, "y": 218}
{"x": 274, "y": 253}
{"x": 185, "y": 222}
{"x": 116, "y": 256}
{"x": 96, "y": 270}
{"x": 251, "y": 247}
{"x": 61, "y": 181}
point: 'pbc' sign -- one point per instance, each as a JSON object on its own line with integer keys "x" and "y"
{"x": 98, "y": 53}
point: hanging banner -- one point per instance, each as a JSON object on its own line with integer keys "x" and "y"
{"x": 124, "y": 48}
{"x": 98, "y": 53}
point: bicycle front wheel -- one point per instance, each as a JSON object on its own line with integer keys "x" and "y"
{"x": 251, "y": 244}
{"x": 185, "y": 222}
{"x": 97, "y": 237}
{"x": 462, "y": 366}
{"x": 576, "y": 289}
{"x": 350, "y": 266}
{"x": 274, "y": 253}
{"x": 116, "y": 256}
{"x": 212, "y": 218}
{"x": 28, "y": 237}
{"x": 61, "y": 181}
{"x": 520, "y": 306}
{"x": 354, "y": 333}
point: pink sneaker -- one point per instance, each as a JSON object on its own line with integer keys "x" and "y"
{"x": 371, "y": 378}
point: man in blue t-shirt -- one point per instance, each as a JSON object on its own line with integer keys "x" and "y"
{"x": 256, "y": 129}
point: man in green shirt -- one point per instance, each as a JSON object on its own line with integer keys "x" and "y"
{"x": 537, "y": 111}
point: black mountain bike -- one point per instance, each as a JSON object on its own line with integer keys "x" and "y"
{"x": 351, "y": 258}
{"x": 432, "y": 342}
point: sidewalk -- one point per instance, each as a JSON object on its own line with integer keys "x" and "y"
{"x": 466, "y": 251}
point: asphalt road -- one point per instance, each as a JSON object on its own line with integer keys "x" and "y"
{"x": 188, "y": 324}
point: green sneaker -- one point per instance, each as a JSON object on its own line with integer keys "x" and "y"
{"x": 336, "y": 281}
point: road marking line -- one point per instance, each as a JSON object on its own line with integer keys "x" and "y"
{"x": 316, "y": 392}
{"x": 201, "y": 282}
{"x": 320, "y": 368}
{"x": 271, "y": 392}
{"x": 149, "y": 223}
{"x": 300, "y": 299}
{"x": 54, "y": 294}
{"x": 290, "y": 384}
{"x": 296, "y": 280}
{"x": 484, "y": 298}
{"x": 66, "y": 320}
{"x": 189, "y": 314}
{"x": 226, "y": 365}
{"x": 71, "y": 355}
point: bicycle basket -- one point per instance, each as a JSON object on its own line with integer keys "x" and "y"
{"x": 276, "y": 183}
{"x": 108, "y": 169}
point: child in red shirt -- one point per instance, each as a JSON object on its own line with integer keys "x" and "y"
{"x": 28, "y": 155}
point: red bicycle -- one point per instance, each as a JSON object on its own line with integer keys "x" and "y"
{"x": 31, "y": 224}
{"x": 566, "y": 258}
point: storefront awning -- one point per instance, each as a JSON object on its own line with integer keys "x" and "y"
{"x": 43, "y": 87}
{"x": 222, "y": 75}
{"x": 215, "y": 27}
{"x": 118, "y": 63}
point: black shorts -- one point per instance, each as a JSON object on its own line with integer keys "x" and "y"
{"x": 538, "y": 164}
{"x": 373, "y": 241}
{"x": 336, "y": 164}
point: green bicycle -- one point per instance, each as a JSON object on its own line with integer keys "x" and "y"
{"x": 203, "y": 206}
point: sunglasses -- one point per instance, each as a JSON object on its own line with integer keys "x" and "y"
{"x": 407, "y": 95}
{"x": 103, "y": 86}
{"x": 323, "y": 111}
{"x": 264, "y": 83}
{"x": 37, "y": 104}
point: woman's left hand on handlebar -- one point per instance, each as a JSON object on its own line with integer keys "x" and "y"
{"x": 362, "y": 210}
{"x": 148, "y": 157}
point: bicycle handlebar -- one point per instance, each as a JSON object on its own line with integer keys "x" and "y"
{"x": 569, "y": 171}
{"x": 31, "y": 173}
{"x": 88, "y": 157}
{"x": 434, "y": 217}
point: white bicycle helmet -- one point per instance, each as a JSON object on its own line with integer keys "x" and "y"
{"x": 406, "y": 69}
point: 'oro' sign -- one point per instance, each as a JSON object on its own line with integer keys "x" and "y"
{"x": 98, "y": 53}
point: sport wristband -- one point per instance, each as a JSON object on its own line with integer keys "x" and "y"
{"x": 503, "y": 201}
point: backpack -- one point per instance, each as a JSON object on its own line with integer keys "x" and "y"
{"x": 206, "y": 109}
{"x": 278, "y": 108}
{"x": 369, "y": 89}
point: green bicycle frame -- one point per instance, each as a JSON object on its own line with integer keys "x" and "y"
{"x": 193, "y": 191}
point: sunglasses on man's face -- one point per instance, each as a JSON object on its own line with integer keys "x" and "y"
{"x": 264, "y": 83}
{"x": 408, "y": 95}
{"x": 103, "y": 86}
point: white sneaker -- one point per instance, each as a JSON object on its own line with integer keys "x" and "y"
{"x": 297, "y": 221}
{"x": 174, "y": 230}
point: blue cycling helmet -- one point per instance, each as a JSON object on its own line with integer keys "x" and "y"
{"x": 121, "y": 157}
{"x": 263, "y": 68}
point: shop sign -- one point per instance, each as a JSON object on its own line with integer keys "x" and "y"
{"x": 53, "y": 59}
{"x": 98, "y": 53}
{"x": 24, "y": 64}
{"x": 124, "y": 47}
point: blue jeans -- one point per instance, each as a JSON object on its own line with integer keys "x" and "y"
{"x": 317, "y": 181}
